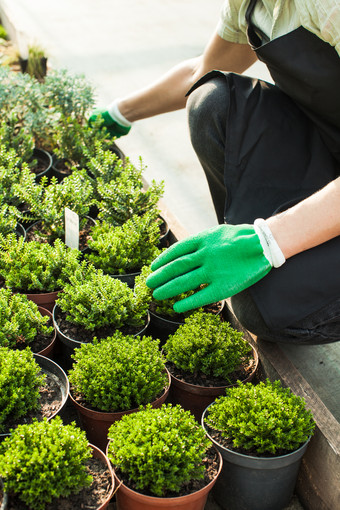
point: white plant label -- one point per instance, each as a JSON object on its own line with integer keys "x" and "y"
{"x": 71, "y": 229}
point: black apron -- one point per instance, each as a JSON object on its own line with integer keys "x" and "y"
{"x": 282, "y": 145}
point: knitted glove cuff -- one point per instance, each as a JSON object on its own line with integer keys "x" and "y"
{"x": 116, "y": 115}
{"x": 271, "y": 249}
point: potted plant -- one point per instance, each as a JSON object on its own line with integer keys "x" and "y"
{"x": 262, "y": 432}
{"x": 36, "y": 269}
{"x": 47, "y": 201}
{"x": 122, "y": 251}
{"x": 32, "y": 388}
{"x": 113, "y": 377}
{"x": 205, "y": 355}
{"x": 171, "y": 467}
{"x": 36, "y": 62}
{"x": 93, "y": 304}
{"x": 23, "y": 324}
{"x": 48, "y": 465}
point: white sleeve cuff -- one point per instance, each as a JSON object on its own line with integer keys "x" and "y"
{"x": 271, "y": 249}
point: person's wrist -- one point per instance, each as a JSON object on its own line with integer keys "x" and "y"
{"x": 116, "y": 114}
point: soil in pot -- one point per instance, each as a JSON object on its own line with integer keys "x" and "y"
{"x": 95, "y": 497}
{"x": 42, "y": 344}
{"x": 43, "y": 165}
{"x": 52, "y": 396}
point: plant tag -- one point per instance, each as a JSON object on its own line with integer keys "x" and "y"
{"x": 71, "y": 229}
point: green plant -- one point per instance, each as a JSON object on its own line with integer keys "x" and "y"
{"x": 48, "y": 199}
{"x": 265, "y": 418}
{"x": 118, "y": 373}
{"x": 3, "y": 32}
{"x": 36, "y": 267}
{"x": 20, "y": 380}
{"x": 14, "y": 137}
{"x": 124, "y": 249}
{"x": 20, "y": 320}
{"x": 8, "y": 219}
{"x": 36, "y": 62}
{"x": 93, "y": 299}
{"x": 124, "y": 196}
{"x": 158, "y": 450}
{"x": 205, "y": 344}
{"x": 12, "y": 172}
{"x": 43, "y": 461}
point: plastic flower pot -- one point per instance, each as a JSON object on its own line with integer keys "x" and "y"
{"x": 256, "y": 483}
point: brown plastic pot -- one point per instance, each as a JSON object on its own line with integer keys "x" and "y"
{"x": 196, "y": 398}
{"x": 98, "y": 454}
{"x": 96, "y": 424}
{"x": 127, "y": 499}
{"x": 45, "y": 299}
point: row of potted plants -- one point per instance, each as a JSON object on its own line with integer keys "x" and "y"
{"x": 133, "y": 380}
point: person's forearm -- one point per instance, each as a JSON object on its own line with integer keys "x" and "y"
{"x": 313, "y": 221}
{"x": 168, "y": 92}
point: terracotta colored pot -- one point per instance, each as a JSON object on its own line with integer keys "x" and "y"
{"x": 48, "y": 352}
{"x": 45, "y": 299}
{"x": 96, "y": 424}
{"x": 98, "y": 454}
{"x": 196, "y": 398}
{"x": 127, "y": 499}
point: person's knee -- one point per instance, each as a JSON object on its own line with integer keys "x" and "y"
{"x": 207, "y": 110}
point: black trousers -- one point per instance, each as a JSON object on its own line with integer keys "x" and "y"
{"x": 208, "y": 107}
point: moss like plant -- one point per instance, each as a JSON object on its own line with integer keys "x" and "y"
{"x": 119, "y": 372}
{"x": 36, "y": 267}
{"x": 158, "y": 450}
{"x": 20, "y": 320}
{"x": 206, "y": 345}
{"x": 265, "y": 418}
{"x": 124, "y": 249}
{"x": 93, "y": 299}
{"x": 44, "y": 461}
{"x": 20, "y": 380}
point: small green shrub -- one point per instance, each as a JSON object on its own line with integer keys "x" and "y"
{"x": 119, "y": 372}
{"x": 205, "y": 344}
{"x": 124, "y": 196}
{"x": 124, "y": 249}
{"x": 44, "y": 461}
{"x": 48, "y": 199}
{"x": 19, "y": 384}
{"x": 36, "y": 267}
{"x": 8, "y": 219}
{"x": 3, "y": 32}
{"x": 20, "y": 320}
{"x": 93, "y": 299}
{"x": 265, "y": 418}
{"x": 158, "y": 449}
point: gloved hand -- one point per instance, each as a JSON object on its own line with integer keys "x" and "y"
{"x": 115, "y": 123}
{"x": 227, "y": 258}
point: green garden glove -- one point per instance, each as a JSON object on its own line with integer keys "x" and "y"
{"x": 227, "y": 259}
{"x": 115, "y": 123}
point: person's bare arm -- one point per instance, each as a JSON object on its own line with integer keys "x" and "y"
{"x": 313, "y": 221}
{"x": 168, "y": 93}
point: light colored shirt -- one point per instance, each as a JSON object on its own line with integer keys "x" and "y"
{"x": 279, "y": 17}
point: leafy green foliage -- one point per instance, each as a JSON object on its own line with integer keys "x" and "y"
{"x": 93, "y": 299}
{"x": 45, "y": 460}
{"x": 16, "y": 138}
{"x": 265, "y": 417}
{"x": 158, "y": 449}
{"x": 20, "y": 320}
{"x": 125, "y": 249}
{"x": 47, "y": 201}
{"x": 36, "y": 267}
{"x": 8, "y": 219}
{"x": 206, "y": 344}
{"x": 125, "y": 196}
{"x": 119, "y": 372}
{"x": 12, "y": 172}
{"x": 20, "y": 380}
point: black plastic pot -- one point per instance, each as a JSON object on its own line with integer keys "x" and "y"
{"x": 128, "y": 278}
{"x": 45, "y": 160}
{"x": 256, "y": 483}
{"x": 20, "y": 231}
{"x": 4, "y": 502}
{"x": 68, "y": 344}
